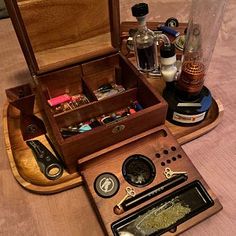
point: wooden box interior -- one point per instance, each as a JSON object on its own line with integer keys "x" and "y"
{"x": 164, "y": 151}
{"x": 86, "y": 78}
{"x": 72, "y": 47}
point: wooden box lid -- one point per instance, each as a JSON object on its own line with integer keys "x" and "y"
{"x": 58, "y": 33}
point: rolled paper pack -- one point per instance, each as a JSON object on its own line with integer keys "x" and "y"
{"x": 59, "y": 99}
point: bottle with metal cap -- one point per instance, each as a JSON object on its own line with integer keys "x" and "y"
{"x": 144, "y": 40}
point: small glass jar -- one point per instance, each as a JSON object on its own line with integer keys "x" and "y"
{"x": 145, "y": 43}
{"x": 168, "y": 62}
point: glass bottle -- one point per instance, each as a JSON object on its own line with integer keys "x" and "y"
{"x": 144, "y": 40}
{"x": 189, "y": 100}
{"x": 203, "y": 27}
{"x": 168, "y": 62}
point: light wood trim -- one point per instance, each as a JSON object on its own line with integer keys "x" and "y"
{"x": 71, "y": 181}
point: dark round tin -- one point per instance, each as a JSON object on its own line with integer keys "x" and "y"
{"x": 138, "y": 170}
{"x": 106, "y": 185}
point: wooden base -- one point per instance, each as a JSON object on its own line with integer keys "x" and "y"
{"x": 22, "y": 161}
{"x": 162, "y": 149}
{"x": 27, "y": 173}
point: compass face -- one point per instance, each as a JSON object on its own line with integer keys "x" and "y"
{"x": 138, "y": 170}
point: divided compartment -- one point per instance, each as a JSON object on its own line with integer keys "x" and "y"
{"x": 67, "y": 81}
{"x": 108, "y": 106}
{"x": 86, "y": 78}
{"x": 72, "y": 49}
{"x": 109, "y": 70}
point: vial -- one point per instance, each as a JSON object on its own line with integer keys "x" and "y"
{"x": 168, "y": 62}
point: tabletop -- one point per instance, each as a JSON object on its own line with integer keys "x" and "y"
{"x": 214, "y": 154}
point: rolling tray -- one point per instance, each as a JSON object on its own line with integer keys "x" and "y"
{"x": 84, "y": 70}
{"x": 22, "y": 161}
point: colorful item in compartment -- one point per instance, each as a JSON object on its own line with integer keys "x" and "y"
{"x": 137, "y": 106}
{"x": 101, "y": 120}
{"x": 74, "y": 102}
{"x": 59, "y": 99}
{"x": 108, "y": 90}
{"x": 169, "y": 30}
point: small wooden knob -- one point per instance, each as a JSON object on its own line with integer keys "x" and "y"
{"x": 118, "y": 210}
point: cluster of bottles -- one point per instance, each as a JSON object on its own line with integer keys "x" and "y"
{"x": 188, "y": 99}
{"x": 145, "y": 45}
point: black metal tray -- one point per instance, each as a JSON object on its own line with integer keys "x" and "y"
{"x": 191, "y": 200}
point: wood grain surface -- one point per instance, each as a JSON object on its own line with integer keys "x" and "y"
{"x": 160, "y": 141}
{"x": 69, "y": 212}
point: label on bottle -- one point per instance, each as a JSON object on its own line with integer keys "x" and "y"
{"x": 188, "y": 119}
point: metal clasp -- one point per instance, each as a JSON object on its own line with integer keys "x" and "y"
{"x": 118, "y": 129}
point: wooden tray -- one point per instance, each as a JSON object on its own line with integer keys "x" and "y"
{"x": 26, "y": 170}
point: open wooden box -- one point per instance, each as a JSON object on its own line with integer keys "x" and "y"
{"x": 72, "y": 48}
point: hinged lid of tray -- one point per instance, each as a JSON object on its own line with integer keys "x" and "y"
{"x": 58, "y": 33}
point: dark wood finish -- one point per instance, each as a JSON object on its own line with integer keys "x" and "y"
{"x": 85, "y": 78}
{"x": 85, "y": 46}
{"x": 77, "y": 218}
{"x": 23, "y": 99}
{"x": 114, "y": 8}
{"x": 22, "y": 162}
{"x": 23, "y": 39}
{"x": 148, "y": 145}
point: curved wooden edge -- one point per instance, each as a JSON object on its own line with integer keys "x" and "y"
{"x": 205, "y": 129}
{"x": 77, "y": 181}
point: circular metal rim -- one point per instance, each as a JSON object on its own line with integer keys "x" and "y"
{"x": 99, "y": 194}
{"x": 54, "y": 176}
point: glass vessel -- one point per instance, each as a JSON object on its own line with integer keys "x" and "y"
{"x": 144, "y": 40}
{"x": 203, "y": 27}
{"x": 168, "y": 62}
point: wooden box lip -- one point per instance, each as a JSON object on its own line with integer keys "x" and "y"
{"x": 69, "y": 54}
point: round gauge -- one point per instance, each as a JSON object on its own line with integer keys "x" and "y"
{"x": 138, "y": 170}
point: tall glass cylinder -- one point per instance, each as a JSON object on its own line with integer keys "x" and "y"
{"x": 203, "y": 28}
